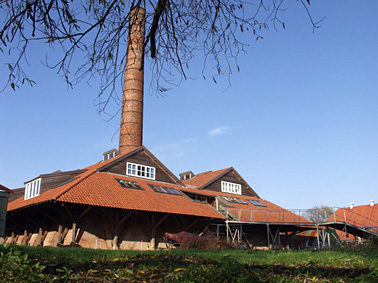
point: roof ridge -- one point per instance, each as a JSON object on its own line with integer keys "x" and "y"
{"x": 217, "y": 176}
{"x": 211, "y": 171}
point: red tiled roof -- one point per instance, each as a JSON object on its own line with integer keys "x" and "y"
{"x": 203, "y": 179}
{"x": 49, "y": 195}
{"x": 365, "y": 216}
{"x": 249, "y": 212}
{"x": 361, "y": 216}
{"x": 53, "y": 194}
{"x": 101, "y": 189}
{"x": 97, "y": 188}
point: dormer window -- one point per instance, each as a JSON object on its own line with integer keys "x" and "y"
{"x": 231, "y": 188}
{"x": 110, "y": 154}
{"x": 138, "y": 170}
{"x": 32, "y": 189}
{"x": 186, "y": 175}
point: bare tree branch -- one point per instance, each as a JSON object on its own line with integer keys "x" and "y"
{"x": 88, "y": 37}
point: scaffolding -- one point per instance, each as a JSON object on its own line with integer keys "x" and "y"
{"x": 283, "y": 221}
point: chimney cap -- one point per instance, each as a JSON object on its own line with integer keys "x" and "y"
{"x": 371, "y": 202}
{"x": 351, "y": 205}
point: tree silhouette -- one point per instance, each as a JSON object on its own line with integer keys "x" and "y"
{"x": 320, "y": 213}
{"x": 88, "y": 38}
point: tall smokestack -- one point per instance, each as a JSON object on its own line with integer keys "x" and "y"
{"x": 131, "y": 132}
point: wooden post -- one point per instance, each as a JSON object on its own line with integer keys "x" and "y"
{"x": 73, "y": 232}
{"x": 59, "y": 236}
{"x": 153, "y": 233}
{"x": 25, "y": 239}
{"x": 116, "y": 231}
{"x": 38, "y": 242}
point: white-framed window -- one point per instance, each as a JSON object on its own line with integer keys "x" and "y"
{"x": 32, "y": 188}
{"x": 140, "y": 171}
{"x": 231, "y": 188}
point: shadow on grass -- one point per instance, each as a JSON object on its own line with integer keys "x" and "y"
{"x": 176, "y": 268}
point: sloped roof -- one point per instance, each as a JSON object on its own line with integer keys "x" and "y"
{"x": 4, "y": 188}
{"x": 53, "y": 194}
{"x": 101, "y": 189}
{"x": 94, "y": 186}
{"x": 248, "y": 212}
{"x": 202, "y": 180}
{"x": 361, "y": 216}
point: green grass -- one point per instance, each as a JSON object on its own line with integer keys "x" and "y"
{"x": 43, "y": 264}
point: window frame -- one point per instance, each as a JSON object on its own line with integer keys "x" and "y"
{"x": 235, "y": 200}
{"x": 256, "y": 202}
{"x": 129, "y": 184}
{"x": 229, "y": 187}
{"x": 32, "y": 188}
{"x": 165, "y": 190}
{"x": 109, "y": 155}
{"x": 139, "y": 170}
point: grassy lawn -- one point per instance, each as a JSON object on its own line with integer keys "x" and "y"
{"x": 43, "y": 264}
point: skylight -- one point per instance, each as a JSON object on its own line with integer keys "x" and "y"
{"x": 234, "y": 200}
{"x": 129, "y": 184}
{"x": 256, "y": 202}
{"x": 165, "y": 190}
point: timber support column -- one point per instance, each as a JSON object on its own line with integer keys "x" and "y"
{"x": 131, "y": 132}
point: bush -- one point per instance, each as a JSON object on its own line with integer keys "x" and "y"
{"x": 18, "y": 267}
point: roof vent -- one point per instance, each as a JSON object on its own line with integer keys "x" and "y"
{"x": 110, "y": 154}
{"x": 371, "y": 202}
{"x": 351, "y": 205}
{"x": 186, "y": 175}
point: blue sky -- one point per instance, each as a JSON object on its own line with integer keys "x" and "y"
{"x": 299, "y": 121}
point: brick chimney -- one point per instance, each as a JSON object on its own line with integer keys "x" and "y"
{"x": 131, "y": 132}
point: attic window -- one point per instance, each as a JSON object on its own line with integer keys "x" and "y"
{"x": 32, "y": 189}
{"x": 256, "y": 202}
{"x": 232, "y": 188}
{"x": 140, "y": 171}
{"x": 129, "y": 184}
{"x": 234, "y": 200}
{"x": 165, "y": 190}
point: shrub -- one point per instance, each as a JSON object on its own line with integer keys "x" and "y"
{"x": 18, "y": 267}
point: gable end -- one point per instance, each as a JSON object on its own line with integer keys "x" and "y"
{"x": 148, "y": 163}
{"x": 231, "y": 181}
